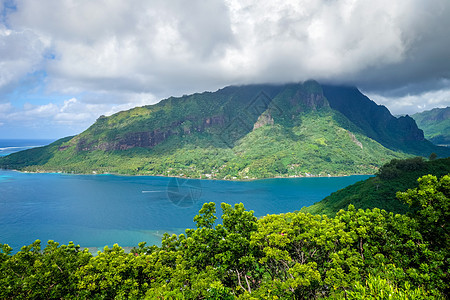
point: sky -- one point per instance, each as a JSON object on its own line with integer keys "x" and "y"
{"x": 63, "y": 63}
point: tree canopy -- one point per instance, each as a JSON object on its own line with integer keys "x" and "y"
{"x": 370, "y": 254}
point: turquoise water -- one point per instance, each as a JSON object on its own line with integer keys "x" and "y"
{"x": 99, "y": 210}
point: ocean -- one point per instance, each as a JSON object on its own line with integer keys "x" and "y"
{"x": 8, "y": 146}
{"x": 101, "y": 210}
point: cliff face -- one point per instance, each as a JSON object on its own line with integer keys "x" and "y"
{"x": 148, "y": 139}
{"x": 406, "y": 129}
{"x": 264, "y": 119}
{"x": 235, "y": 111}
{"x": 232, "y": 111}
{"x": 374, "y": 120}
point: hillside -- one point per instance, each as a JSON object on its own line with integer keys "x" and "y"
{"x": 379, "y": 191}
{"x": 239, "y": 132}
{"x": 435, "y": 124}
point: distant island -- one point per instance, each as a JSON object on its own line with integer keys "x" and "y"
{"x": 435, "y": 124}
{"x": 239, "y": 133}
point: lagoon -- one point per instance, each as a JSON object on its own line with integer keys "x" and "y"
{"x": 100, "y": 210}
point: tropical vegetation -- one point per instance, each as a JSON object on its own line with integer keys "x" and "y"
{"x": 357, "y": 254}
{"x": 435, "y": 124}
{"x": 379, "y": 191}
{"x": 245, "y": 132}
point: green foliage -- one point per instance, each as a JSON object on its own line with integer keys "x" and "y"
{"x": 358, "y": 254}
{"x": 206, "y": 217}
{"x": 431, "y": 207}
{"x": 435, "y": 124}
{"x": 432, "y": 156}
{"x": 31, "y": 157}
{"x": 396, "y": 168}
{"x": 379, "y": 191}
{"x": 41, "y": 274}
{"x": 378, "y": 288}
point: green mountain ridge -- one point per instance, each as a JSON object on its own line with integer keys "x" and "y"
{"x": 239, "y": 132}
{"x": 435, "y": 124}
{"x": 380, "y": 191}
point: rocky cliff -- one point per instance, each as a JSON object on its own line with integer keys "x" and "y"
{"x": 375, "y": 121}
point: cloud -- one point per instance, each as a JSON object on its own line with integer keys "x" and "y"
{"x": 167, "y": 48}
{"x": 319, "y": 39}
{"x": 5, "y": 108}
{"x": 111, "y": 54}
{"x": 20, "y": 53}
{"x": 139, "y": 47}
{"x": 71, "y": 112}
{"x": 413, "y": 103}
{"x": 378, "y": 45}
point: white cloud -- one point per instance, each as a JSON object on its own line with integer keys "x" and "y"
{"x": 411, "y": 104}
{"x": 71, "y": 112}
{"x": 20, "y": 53}
{"x": 111, "y": 54}
{"x": 31, "y": 112}
{"x": 316, "y": 39}
{"x": 165, "y": 48}
{"x": 139, "y": 47}
{"x": 5, "y": 108}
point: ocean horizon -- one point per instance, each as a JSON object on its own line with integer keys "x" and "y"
{"x": 8, "y": 146}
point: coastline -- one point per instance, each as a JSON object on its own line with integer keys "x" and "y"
{"x": 39, "y": 169}
{"x": 185, "y": 177}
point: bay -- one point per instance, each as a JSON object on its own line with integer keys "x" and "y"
{"x": 99, "y": 210}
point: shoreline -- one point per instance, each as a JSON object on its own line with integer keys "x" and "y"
{"x": 184, "y": 177}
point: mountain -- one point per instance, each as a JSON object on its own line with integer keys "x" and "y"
{"x": 380, "y": 191}
{"x": 436, "y": 125}
{"x": 376, "y": 122}
{"x": 239, "y": 132}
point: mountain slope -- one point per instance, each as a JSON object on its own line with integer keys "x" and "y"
{"x": 435, "y": 124}
{"x": 237, "y": 132}
{"x": 380, "y": 191}
{"x": 398, "y": 134}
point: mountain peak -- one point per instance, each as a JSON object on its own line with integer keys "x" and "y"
{"x": 375, "y": 120}
{"x": 250, "y": 131}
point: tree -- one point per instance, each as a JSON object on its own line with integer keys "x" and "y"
{"x": 359, "y": 254}
{"x": 33, "y": 273}
{"x": 431, "y": 205}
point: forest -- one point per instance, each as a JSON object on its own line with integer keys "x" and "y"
{"x": 356, "y": 254}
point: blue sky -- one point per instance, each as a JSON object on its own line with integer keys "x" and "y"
{"x": 64, "y": 63}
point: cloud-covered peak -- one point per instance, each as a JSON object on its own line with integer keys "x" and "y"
{"x": 119, "y": 54}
